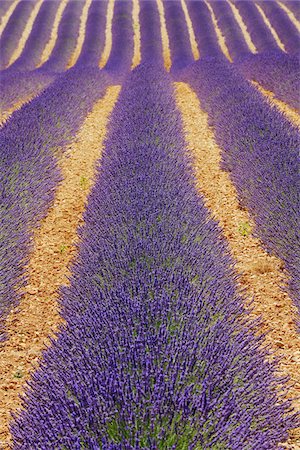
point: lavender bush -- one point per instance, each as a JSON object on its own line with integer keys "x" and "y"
{"x": 157, "y": 351}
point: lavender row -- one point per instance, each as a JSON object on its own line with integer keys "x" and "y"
{"x": 260, "y": 34}
{"x": 13, "y": 30}
{"x": 94, "y": 40}
{"x": 234, "y": 38}
{"x": 38, "y": 38}
{"x": 260, "y": 149}
{"x": 31, "y": 143}
{"x": 154, "y": 354}
{"x": 179, "y": 40}
{"x": 66, "y": 39}
{"x": 120, "y": 58}
{"x": 151, "y": 43}
{"x": 283, "y": 26}
{"x": 204, "y": 30}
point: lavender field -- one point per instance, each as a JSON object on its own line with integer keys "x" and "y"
{"x": 149, "y": 224}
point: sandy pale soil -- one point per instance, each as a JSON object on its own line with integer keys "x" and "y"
{"x": 164, "y": 36}
{"x": 261, "y": 274}
{"x": 7, "y": 16}
{"x": 108, "y": 34}
{"x": 37, "y": 317}
{"x": 136, "y": 59}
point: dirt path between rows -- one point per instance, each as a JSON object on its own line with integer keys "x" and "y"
{"x": 261, "y": 274}
{"x": 37, "y": 317}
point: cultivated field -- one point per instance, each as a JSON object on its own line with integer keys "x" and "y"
{"x": 149, "y": 224}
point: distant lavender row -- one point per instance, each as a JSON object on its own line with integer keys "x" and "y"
{"x": 151, "y": 43}
{"x": 94, "y": 35}
{"x": 260, "y": 34}
{"x": 273, "y": 69}
{"x": 18, "y": 86}
{"x": 66, "y": 39}
{"x": 13, "y": 30}
{"x": 154, "y": 354}
{"x": 180, "y": 46}
{"x": 120, "y": 58}
{"x": 261, "y": 151}
{"x": 230, "y": 29}
{"x": 38, "y": 38}
{"x": 30, "y": 144}
{"x": 284, "y": 27}
{"x": 204, "y": 30}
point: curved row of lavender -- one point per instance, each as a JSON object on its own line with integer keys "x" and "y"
{"x": 157, "y": 351}
{"x": 179, "y": 39}
{"x": 38, "y": 38}
{"x": 273, "y": 69}
{"x": 120, "y": 57}
{"x": 204, "y": 30}
{"x": 13, "y": 30}
{"x": 31, "y": 143}
{"x": 284, "y": 27}
{"x": 66, "y": 39}
{"x": 151, "y": 44}
{"x": 260, "y": 149}
{"x": 234, "y": 38}
{"x": 94, "y": 39}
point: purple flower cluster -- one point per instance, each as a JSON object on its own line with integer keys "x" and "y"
{"x": 13, "y": 30}
{"x": 284, "y": 27}
{"x": 205, "y": 33}
{"x": 261, "y": 151}
{"x": 30, "y": 144}
{"x": 94, "y": 35}
{"x": 151, "y": 44}
{"x": 38, "y": 38}
{"x": 179, "y": 40}
{"x": 157, "y": 351}
{"x": 120, "y": 58}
